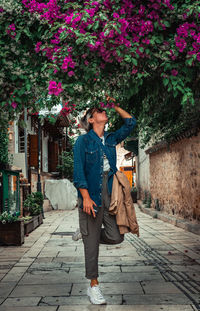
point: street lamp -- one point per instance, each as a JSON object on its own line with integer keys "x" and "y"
{"x": 39, "y": 188}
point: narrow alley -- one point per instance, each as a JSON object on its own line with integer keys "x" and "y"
{"x": 158, "y": 271}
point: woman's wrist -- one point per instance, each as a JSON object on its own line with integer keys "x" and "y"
{"x": 122, "y": 112}
{"x": 116, "y": 106}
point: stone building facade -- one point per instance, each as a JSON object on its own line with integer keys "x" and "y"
{"x": 174, "y": 178}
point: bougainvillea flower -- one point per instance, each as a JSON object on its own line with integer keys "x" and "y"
{"x": 37, "y": 47}
{"x": 71, "y": 73}
{"x": 11, "y": 31}
{"x": 14, "y": 105}
{"x": 54, "y": 88}
{"x": 174, "y": 72}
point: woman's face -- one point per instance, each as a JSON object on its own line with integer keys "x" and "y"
{"x": 99, "y": 116}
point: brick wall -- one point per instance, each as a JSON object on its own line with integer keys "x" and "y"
{"x": 175, "y": 178}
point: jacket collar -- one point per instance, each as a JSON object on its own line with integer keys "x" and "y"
{"x": 92, "y": 133}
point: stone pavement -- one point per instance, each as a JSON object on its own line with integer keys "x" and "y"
{"x": 158, "y": 271}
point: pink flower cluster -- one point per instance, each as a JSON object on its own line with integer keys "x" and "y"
{"x": 54, "y": 88}
{"x": 174, "y": 72}
{"x": 105, "y": 32}
{"x": 188, "y": 36}
{"x": 68, "y": 64}
{"x": 48, "y": 11}
{"x": 11, "y": 31}
{"x": 38, "y": 47}
{"x": 14, "y": 105}
{"x": 107, "y": 105}
{"x": 67, "y": 109}
{"x": 110, "y": 30}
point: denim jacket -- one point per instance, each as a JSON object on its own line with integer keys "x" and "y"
{"x": 88, "y": 159}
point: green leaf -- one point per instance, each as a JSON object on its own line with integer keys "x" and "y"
{"x": 159, "y": 40}
{"x": 28, "y": 86}
{"x": 27, "y": 32}
{"x": 106, "y": 32}
{"x": 127, "y": 58}
{"x": 141, "y": 49}
{"x": 189, "y": 61}
{"x": 80, "y": 40}
{"x": 134, "y": 61}
{"x": 165, "y": 81}
{"x": 166, "y": 23}
{"x": 96, "y": 25}
{"x": 18, "y": 36}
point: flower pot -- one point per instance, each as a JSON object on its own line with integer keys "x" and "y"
{"x": 33, "y": 223}
{"x": 134, "y": 196}
{"x": 12, "y": 233}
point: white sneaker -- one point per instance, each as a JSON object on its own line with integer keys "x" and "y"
{"x": 95, "y": 295}
{"x": 77, "y": 235}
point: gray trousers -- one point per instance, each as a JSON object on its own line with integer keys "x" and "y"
{"x": 93, "y": 233}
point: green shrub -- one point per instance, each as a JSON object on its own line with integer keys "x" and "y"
{"x": 6, "y": 217}
{"x": 145, "y": 197}
{"x": 35, "y": 209}
{"x": 33, "y": 203}
{"x": 148, "y": 203}
{"x": 4, "y": 159}
{"x": 38, "y": 198}
{"x": 157, "y": 206}
{"x": 67, "y": 165}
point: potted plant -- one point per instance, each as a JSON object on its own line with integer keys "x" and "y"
{"x": 11, "y": 229}
{"x": 134, "y": 194}
{"x": 33, "y": 207}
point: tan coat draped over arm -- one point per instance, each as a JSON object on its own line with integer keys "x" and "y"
{"x": 122, "y": 205}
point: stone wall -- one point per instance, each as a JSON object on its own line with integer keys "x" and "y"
{"x": 175, "y": 178}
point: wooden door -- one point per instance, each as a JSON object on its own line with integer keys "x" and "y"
{"x": 33, "y": 151}
{"x": 53, "y": 150}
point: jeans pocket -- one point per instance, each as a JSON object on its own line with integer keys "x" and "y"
{"x": 83, "y": 222}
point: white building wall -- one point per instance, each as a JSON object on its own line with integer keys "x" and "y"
{"x": 121, "y": 161}
{"x": 142, "y": 170}
{"x": 16, "y": 136}
{"x": 45, "y": 153}
{"x": 30, "y": 130}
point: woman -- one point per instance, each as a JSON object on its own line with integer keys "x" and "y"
{"x": 94, "y": 167}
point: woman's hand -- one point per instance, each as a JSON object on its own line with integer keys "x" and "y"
{"x": 108, "y": 98}
{"x": 88, "y": 204}
{"x": 111, "y": 99}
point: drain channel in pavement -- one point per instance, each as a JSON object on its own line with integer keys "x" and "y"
{"x": 63, "y": 233}
{"x": 185, "y": 283}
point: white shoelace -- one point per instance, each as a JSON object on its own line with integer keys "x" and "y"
{"x": 98, "y": 292}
